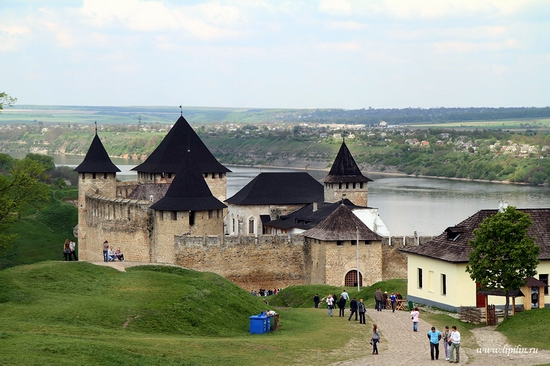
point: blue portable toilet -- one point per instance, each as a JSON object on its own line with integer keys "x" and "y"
{"x": 259, "y": 324}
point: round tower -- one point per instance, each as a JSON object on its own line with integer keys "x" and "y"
{"x": 96, "y": 175}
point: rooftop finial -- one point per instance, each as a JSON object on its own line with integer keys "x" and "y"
{"x": 95, "y": 122}
{"x": 181, "y": 111}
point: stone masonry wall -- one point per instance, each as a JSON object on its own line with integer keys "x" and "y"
{"x": 124, "y": 223}
{"x": 250, "y": 262}
{"x": 394, "y": 264}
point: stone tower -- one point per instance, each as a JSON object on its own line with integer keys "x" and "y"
{"x": 165, "y": 161}
{"x": 97, "y": 175}
{"x": 345, "y": 180}
{"x": 188, "y": 208}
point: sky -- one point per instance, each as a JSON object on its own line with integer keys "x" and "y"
{"x": 277, "y": 54}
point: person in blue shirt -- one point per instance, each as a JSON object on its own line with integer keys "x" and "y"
{"x": 393, "y": 300}
{"x": 434, "y": 336}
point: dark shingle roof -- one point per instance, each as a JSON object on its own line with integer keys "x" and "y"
{"x": 341, "y": 224}
{"x": 168, "y": 155}
{"x": 279, "y": 189}
{"x": 188, "y": 191}
{"x": 97, "y": 160}
{"x": 452, "y": 245}
{"x": 305, "y": 218}
{"x": 345, "y": 169}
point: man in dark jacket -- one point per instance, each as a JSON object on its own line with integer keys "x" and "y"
{"x": 342, "y": 305}
{"x": 316, "y": 300}
{"x": 353, "y": 309}
{"x": 379, "y": 298}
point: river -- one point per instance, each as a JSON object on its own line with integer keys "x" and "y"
{"x": 406, "y": 204}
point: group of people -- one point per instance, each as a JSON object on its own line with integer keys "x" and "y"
{"x": 264, "y": 292}
{"x": 69, "y": 250}
{"x": 451, "y": 342}
{"x": 451, "y": 338}
{"x": 110, "y": 255}
{"x": 382, "y": 299}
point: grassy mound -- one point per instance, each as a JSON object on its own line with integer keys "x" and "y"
{"x": 149, "y": 299}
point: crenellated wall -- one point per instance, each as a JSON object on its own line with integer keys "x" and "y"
{"x": 250, "y": 262}
{"x": 125, "y": 223}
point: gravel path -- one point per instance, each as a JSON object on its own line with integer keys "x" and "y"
{"x": 401, "y": 346}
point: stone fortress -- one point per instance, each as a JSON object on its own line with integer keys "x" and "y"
{"x": 175, "y": 213}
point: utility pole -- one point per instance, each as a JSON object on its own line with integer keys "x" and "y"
{"x": 357, "y": 257}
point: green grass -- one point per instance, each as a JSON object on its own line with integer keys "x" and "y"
{"x": 41, "y": 233}
{"x": 75, "y": 313}
{"x": 528, "y": 328}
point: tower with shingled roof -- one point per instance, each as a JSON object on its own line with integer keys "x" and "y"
{"x": 188, "y": 208}
{"x": 97, "y": 175}
{"x": 165, "y": 161}
{"x": 345, "y": 180}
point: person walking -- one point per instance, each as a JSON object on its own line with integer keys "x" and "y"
{"x": 353, "y": 308}
{"x": 384, "y": 299}
{"x": 455, "y": 345}
{"x": 105, "y": 251}
{"x": 375, "y": 339}
{"x": 330, "y": 304}
{"x": 342, "y": 305}
{"x": 414, "y": 316}
{"x": 345, "y": 294}
{"x": 434, "y": 336}
{"x": 362, "y": 309}
{"x": 446, "y": 343}
{"x": 66, "y": 250}
{"x": 378, "y": 298}
{"x": 316, "y": 301}
{"x": 72, "y": 246}
{"x": 393, "y": 300}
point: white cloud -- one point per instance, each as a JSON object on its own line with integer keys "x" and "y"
{"x": 11, "y": 35}
{"x": 346, "y": 25}
{"x": 335, "y": 7}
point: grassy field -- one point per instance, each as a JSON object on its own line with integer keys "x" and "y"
{"x": 542, "y": 124}
{"x": 75, "y": 313}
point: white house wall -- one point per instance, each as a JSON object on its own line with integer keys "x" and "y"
{"x": 461, "y": 289}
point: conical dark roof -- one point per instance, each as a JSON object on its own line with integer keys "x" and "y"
{"x": 342, "y": 224}
{"x": 167, "y": 157}
{"x": 188, "y": 191}
{"x": 97, "y": 160}
{"x": 345, "y": 169}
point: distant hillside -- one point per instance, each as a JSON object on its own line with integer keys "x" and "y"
{"x": 370, "y": 116}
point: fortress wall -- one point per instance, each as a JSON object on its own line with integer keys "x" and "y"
{"x": 250, "y": 262}
{"x": 357, "y": 195}
{"x": 318, "y": 260}
{"x": 124, "y": 223}
{"x": 394, "y": 262}
{"x": 167, "y": 224}
{"x": 341, "y": 259}
{"x": 123, "y": 189}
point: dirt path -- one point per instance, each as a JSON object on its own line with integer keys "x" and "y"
{"x": 121, "y": 266}
{"x": 401, "y": 346}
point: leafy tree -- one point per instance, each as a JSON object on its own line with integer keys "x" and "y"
{"x": 6, "y": 99}
{"x": 22, "y": 185}
{"x": 503, "y": 255}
